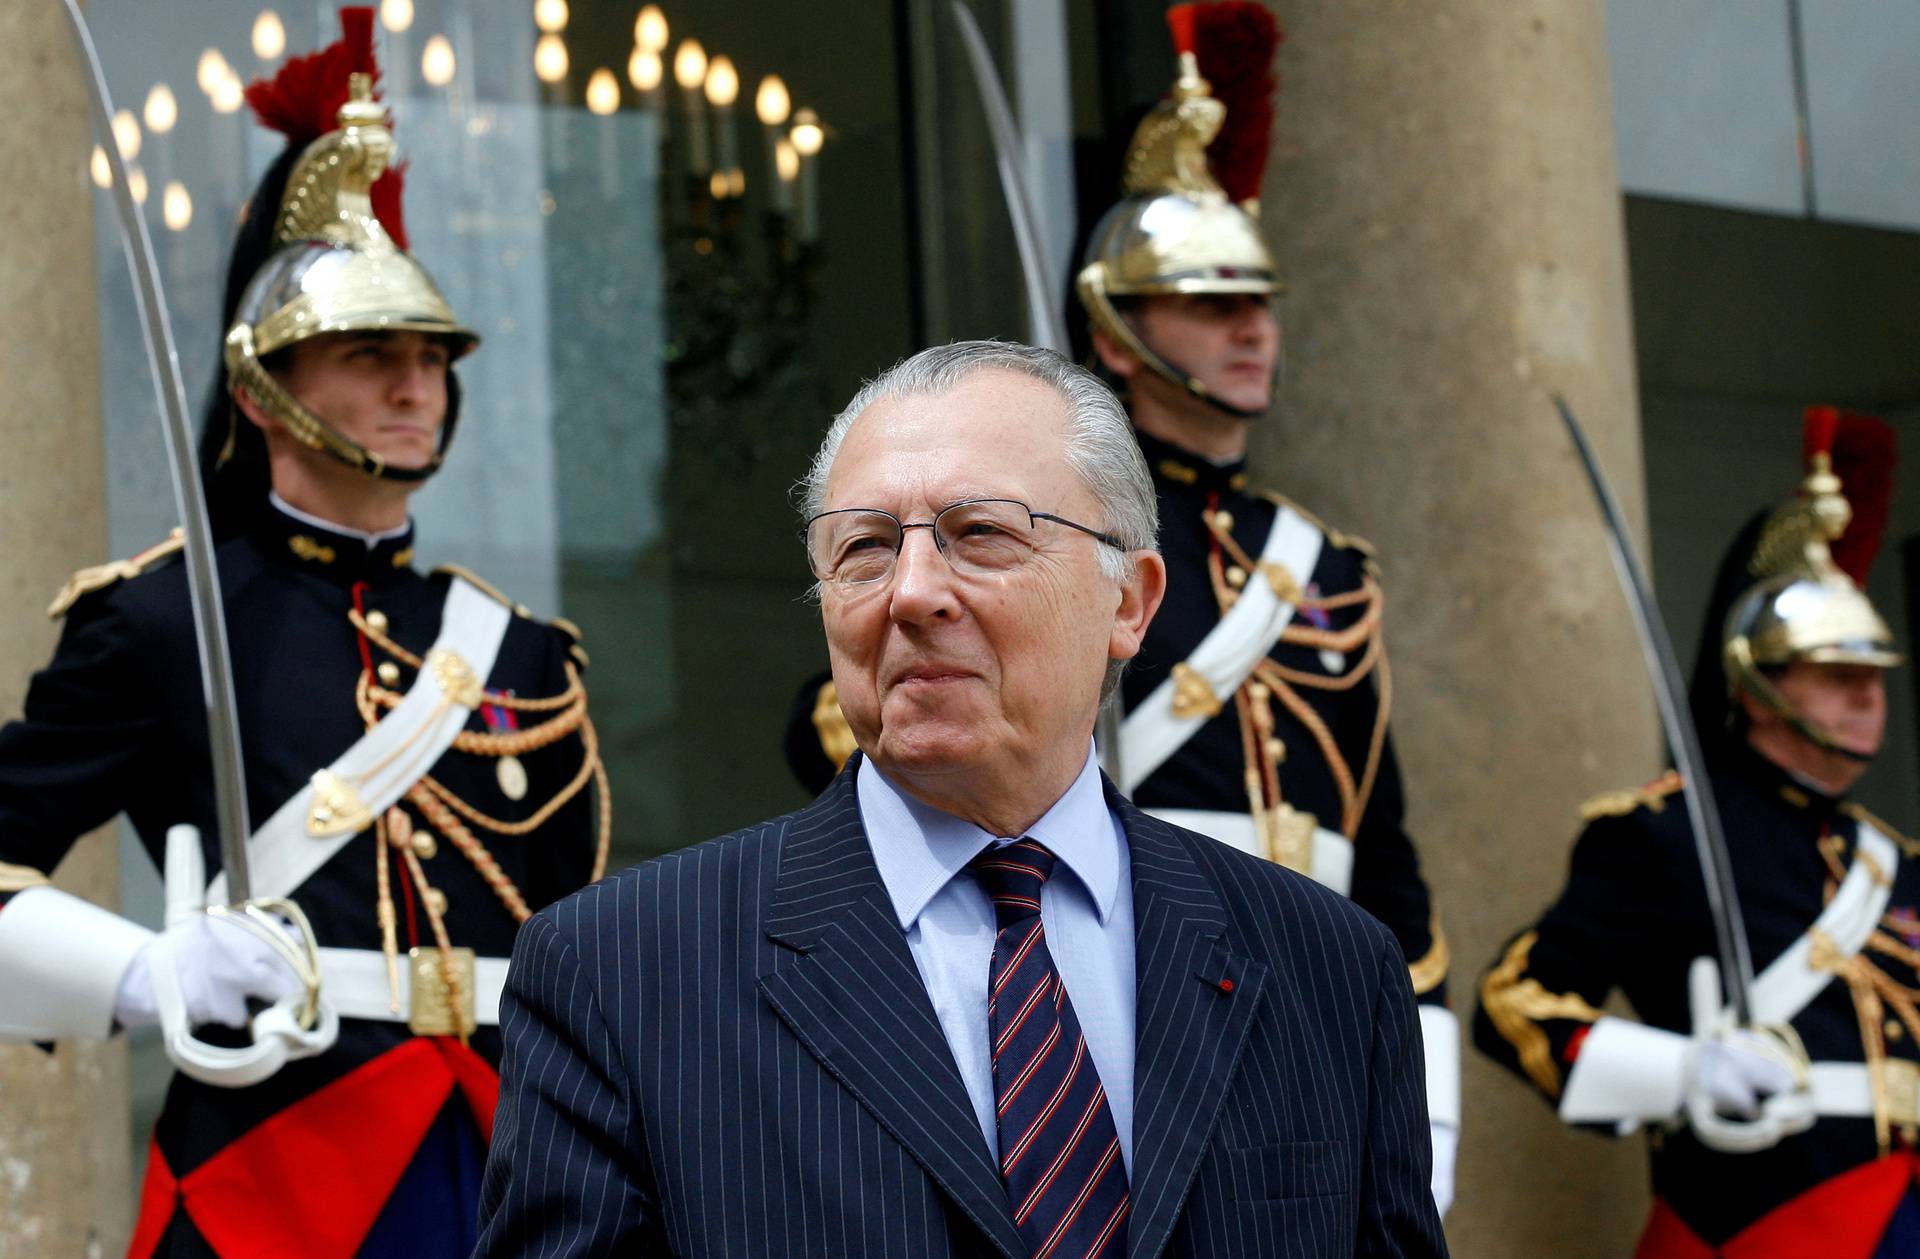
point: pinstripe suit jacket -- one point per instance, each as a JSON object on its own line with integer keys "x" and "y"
{"x": 729, "y": 1051}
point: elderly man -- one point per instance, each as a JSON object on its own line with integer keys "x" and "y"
{"x": 970, "y": 1001}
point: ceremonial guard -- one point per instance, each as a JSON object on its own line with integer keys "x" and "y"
{"x": 418, "y": 744}
{"x": 1257, "y": 709}
{"x": 1792, "y": 1133}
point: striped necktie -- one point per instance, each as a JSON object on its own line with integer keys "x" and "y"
{"x": 1059, "y": 1153}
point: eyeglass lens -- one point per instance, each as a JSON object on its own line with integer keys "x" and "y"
{"x": 983, "y": 537}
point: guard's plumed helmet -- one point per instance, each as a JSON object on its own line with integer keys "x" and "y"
{"x": 1809, "y": 567}
{"x": 338, "y": 261}
{"x": 1184, "y": 225}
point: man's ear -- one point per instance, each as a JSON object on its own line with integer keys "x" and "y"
{"x": 1139, "y": 600}
{"x": 1758, "y": 715}
{"x": 250, "y": 407}
{"x": 1115, "y": 357}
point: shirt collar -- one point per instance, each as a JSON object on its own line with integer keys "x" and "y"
{"x": 919, "y": 849}
{"x": 368, "y": 540}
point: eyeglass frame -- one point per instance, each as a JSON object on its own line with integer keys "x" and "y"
{"x": 933, "y": 531}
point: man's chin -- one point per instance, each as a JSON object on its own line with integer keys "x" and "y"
{"x": 930, "y": 748}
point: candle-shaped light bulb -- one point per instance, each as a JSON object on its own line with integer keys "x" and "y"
{"x": 723, "y": 82}
{"x": 723, "y": 89}
{"x": 437, "y": 62}
{"x": 650, "y": 29}
{"x": 137, "y": 184}
{"x": 161, "y": 110}
{"x": 786, "y": 160}
{"x": 550, "y": 59}
{"x": 100, "y": 168}
{"x": 269, "y": 35}
{"x": 126, "y": 134}
{"x": 717, "y": 185}
{"x": 396, "y": 15}
{"x": 603, "y": 92}
{"x": 690, "y": 72}
{"x": 228, "y": 95}
{"x": 176, "y": 206}
{"x": 644, "y": 69}
{"x": 690, "y": 64}
{"x": 807, "y": 136}
{"x": 550, "y": 15}
{"x": 211, "y": 71}
{"x": 771, "y": 102}
{"x": 807, "y": 133}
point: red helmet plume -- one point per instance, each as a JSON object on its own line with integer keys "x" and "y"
{"x": 1234, "y": 42}
{"x": 302, "y": 102}
{"x": 1862, "y": 450}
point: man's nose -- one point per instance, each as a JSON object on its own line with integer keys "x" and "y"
{"x": 923, "y": 581}
{"x": 411, "y": 382}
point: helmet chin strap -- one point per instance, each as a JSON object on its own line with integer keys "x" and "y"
{"x": 248, "y": 374}
{"x": 1195, "y": 388}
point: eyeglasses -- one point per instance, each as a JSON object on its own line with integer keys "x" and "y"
{"x": 979, "y": 537}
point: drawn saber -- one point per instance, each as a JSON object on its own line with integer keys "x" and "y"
{"x": 1710, "y": 841}
{"x": 1043, "y": 312}
{"x": 203, "y": 585}
{"x": 299, "y": 1026}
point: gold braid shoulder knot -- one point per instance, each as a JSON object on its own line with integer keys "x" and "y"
{"x": 446, "y": 811}
{"x": 1271, "y": 679}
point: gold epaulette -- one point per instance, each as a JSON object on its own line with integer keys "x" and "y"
{"x": 100, "y": 576}
{"x": 1909, "y": 848}
{"x": 494, "y": 592}
{"x": 1653, "y": 796}
{"x": 830, "y": 724}
{"x": 19, "y": 878}
{"x": 1344, "y": 541}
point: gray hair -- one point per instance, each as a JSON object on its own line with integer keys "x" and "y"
{"x": 1100, "y": 448}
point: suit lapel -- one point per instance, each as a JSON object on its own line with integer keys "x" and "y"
{"x": 1198, "y": 995}
{"x": 856, "y": 1001}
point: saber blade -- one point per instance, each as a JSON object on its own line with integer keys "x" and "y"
{"x": 1048, "y": 326}
{"x": 203, "y": 583}
{"x": 1710, "y": 841}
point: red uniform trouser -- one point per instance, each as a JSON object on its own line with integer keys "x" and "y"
{"x": 1842, "y": 1218}
{"x": 312, "y": 1179}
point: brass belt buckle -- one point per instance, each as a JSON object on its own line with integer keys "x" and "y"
{"x": 433, "y": 1010}
{"x": 1290, "y": 837}
{"x": 1902, "y": 1076}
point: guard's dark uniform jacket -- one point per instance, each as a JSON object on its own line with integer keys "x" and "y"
{"x": 1633, "y": 916}
{"x": 116, "y": 723}
{"x": 1209, "y": 772}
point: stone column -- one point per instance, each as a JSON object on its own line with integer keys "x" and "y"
{"x": 1444, "y": 203}
{"x": 64, "y": 1149}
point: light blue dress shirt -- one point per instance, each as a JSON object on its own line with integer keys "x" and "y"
{"x": 1087, "y": 908}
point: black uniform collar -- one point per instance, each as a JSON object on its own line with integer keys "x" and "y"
{"x": 1771, "y": 782}
{"x": 346, "y": 558}
{"x": 1175, "y": 468}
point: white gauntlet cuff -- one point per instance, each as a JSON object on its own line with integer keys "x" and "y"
{"x": 1627, "y": 1073}
{"x": 62, "y": 959}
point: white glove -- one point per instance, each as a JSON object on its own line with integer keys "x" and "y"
{"x": 1738, "y": 1070}
{"x": 220, "y": 965}
{"x": 1446, "y": 1144}
{"x": 1746, "y": 1088}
